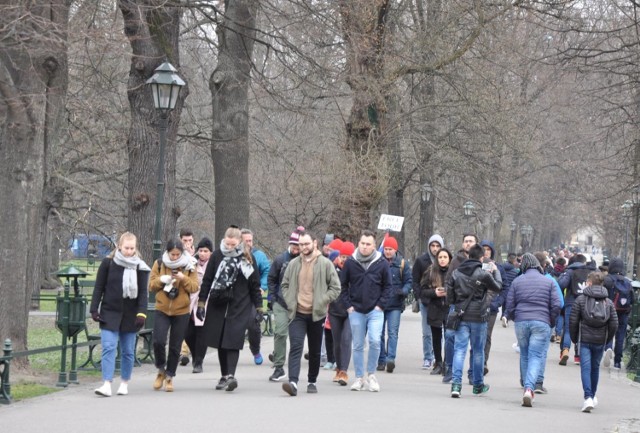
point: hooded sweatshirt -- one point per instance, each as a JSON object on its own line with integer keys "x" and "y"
{"x": 580, "y": 330}
{"x": 422, "y": 263}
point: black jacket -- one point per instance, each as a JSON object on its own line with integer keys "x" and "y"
{"x": 364, "y": 289}
{"x": 420, "y": 266}
{"x": 437, "y": 306}
{"x": 274, "y": 279}
{"x": 470, "y": 280}
{"x": 578, "y": 328}
{"x": 117, "y": 313}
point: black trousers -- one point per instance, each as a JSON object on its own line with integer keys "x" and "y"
{"x": 195, "y": 340}
{"x": 176, "y": 327}
{"x": 300, "y": 326}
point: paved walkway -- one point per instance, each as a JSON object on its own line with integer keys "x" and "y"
{"x": 410, "y": 400}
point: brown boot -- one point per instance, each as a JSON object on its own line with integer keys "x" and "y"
{"x": 336, "y": 378}
{"x": 168, "y": 384}
{"x": 157, "y": 384}
{"x": 343, "y": 379}
{"x": 564, "y": 356}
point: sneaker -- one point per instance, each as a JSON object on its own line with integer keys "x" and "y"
{"x": 104, "y": 390}
{"x": 221, "y": 383}
{"x": 558, "y": 339}
{"x": 312, "y": 388}
{"x": 278, "y": 374}
{"x": 608, "y": 356}
{"x": 552, "y": 339}
{"x": 456, "y": 390}
{"x": 587, "y": 405}
{"x": 504, "y": 321}
{"x": 343, "y": 379}
{"x": 480, "y": 389}
{"x": 374, "y": 386}
{"x": 123, "y": 389}
{"x": 540, "y": 389}
{"x": 290, "y": 388}
{"x": 197, "y": 368}
{"x": 470, "y": 377}
{"x": 448, "y": 376}
{"x": 358, "y": 385}
{"x": 427, "y": 364}
{"x": 328, "y": 366}
{"x": 576, "y": 360}
{"x": 516, "y": 347}
{"x": 391, "y": 365}
{"x": 564, "y": 356}
{"x": 527, "y": 398}
{"x": 381, "y": 366}
{"x": 168, "y": 384}
{"x": 257, "y": 358}
{"x": 595, "y": 402}
{"x": 157, "y": 384}
{"x": 232, "y": 383}
{"x": 485, "y": 371}
{"x": 184, "y": 360}
{"x": 437, "y": 369}
{"x": 617, "y": 365}
{"x": 271, "y": 357}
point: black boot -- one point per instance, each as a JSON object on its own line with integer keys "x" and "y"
{"x": 437, "y": 369}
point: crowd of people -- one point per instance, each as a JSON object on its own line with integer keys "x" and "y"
{"x": 347, "y": 301}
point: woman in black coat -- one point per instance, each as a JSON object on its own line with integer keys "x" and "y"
{"x": 230, "y": 299}
{"x": 119, "y": 303}
{"x": 434, "y": 295}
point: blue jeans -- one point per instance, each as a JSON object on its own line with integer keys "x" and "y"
{"x": 533, "y": 339}
{"x": 566, "y": 338}
{"x": 369, "y": 325}
{"x": 621, "y": 333}
{"x": 449, "y": 340}
{"x": 560, "y": 325}
{"x": 476, "y": 334}
{"x": 110, "y": 348}
{"x": 427, "y": 336}
{"x": 392, "y": 325}
{"x": 590, "y": 357}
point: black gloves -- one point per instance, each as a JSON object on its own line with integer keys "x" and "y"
{"x": 200, "y": 313}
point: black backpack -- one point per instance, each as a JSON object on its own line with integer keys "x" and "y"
{"x": 579, "y": 281}
{"x": 596, "y": 312}
{"x": 622, "y": 294}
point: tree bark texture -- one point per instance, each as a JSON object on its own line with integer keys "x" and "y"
{"x": 152, "y": 29}
{"x": 229, "y": 85}
{"x": 33, "y": 86}
{"x": 363, "y": 29}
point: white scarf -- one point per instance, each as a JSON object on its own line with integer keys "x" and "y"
{"x": 186, "y": 262}
{"x": 130, "y": 276}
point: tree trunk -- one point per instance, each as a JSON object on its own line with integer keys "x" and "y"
{"x": 229, "y": 85}
{"x": 153, "y": 30}
{"x": 33, "y": 86}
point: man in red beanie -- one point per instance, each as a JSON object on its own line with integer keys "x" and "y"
{"x": 401, "y": 281}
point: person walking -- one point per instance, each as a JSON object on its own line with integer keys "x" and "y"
{"x": 173, "y": 279}
{"x": 230, "y": 302}
{"x": 119, "y": 304}
{"x": 621, "y": 294}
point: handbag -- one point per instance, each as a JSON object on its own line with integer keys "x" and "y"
{"x": 415, "y": 306}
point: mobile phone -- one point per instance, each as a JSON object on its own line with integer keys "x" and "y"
{"x": 174, "y": 271}
{"x": 486, "y": 266}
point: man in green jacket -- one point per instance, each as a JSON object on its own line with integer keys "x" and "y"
{"x": 309, "y": 284}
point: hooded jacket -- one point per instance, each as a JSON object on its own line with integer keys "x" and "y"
{"x": 497, "y": 300}
{"x": 576, "y": 274}
{"x": 470, "y": 280}
{"x": 401, "y": 281}
{"x": 274, "y": 279}
{"x": 422, "y": 263}
{"x": 579, "y": 329}
{"x": 364, "y": 289}
{"x": 616, "y": 272}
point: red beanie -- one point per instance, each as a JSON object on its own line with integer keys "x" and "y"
{"x": 347, "y": 249}
{"x": 390, "y": 242}
{"x": 335, "y": 244}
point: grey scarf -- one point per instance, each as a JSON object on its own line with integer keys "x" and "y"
{"x": 185, "y": 262}
{"x": 130, "y": 275}
{"x": 365, "y": 261}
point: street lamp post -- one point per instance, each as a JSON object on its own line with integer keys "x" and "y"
{"x": 626, "y": 212}
{"x": 512, "y": 227}
{"x": 425, "y": 196}
{"x": 468, "y": 212}
{"x": 526, "y": 232}
{"x": 636, "y": 204}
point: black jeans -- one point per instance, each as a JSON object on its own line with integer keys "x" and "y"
{"x": 300, "y": 326}
{"x": 436, "y": 333}
{"x": 176, "y": 327}
{"x": 342, "y": 339}
{"x": 228, "y": 361}
{"x": 255, "y": 335}
{"x": 195, "y": 340}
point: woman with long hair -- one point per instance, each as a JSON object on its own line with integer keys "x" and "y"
{"x": 173, "y": 279}
{"x": 119, "y": 304}
{"x": 230, "y": 299}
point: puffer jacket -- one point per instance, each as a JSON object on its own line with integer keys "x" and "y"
{"x": 580, "y": 330}
{"x": 470, "y": 280}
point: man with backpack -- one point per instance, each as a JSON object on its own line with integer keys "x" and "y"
{"x": 621, "y": 294}
{"x": 592, "y": 325}
{"x": 573, "y": 282}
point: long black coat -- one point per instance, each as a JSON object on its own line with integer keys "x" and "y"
{"x": 117, "y": 313}
{"x": 225, "y": 326}
{"x": 437, "y": 306}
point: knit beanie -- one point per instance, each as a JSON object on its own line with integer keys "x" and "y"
{"x": 390, "y": 242}
{"x": 295, "y": 235}
{"x": 529, "y": 261}
{"x": 205, "y": 243}
{"x": 347, "y": 249}
{"x": 334, "y": 255}
{"x": 335, "y": 244}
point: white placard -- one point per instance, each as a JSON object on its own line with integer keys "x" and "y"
{"x": 390, "y": 222}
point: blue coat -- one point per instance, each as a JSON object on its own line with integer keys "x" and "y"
{"x": 364, "y": 289}
{"x": 533, "y": 297}
{"x": 401, "y": 280}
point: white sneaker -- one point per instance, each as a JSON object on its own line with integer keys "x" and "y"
{"x": 606, "y": 360}
{"x": 595, "y": 402}
{"x": 587, "y": 405}
{"x": 374, "y": 386}
{"x": 123, "y": 389}
{"x": 504, "y": 321}
{"x": 104, "y": 390}
{"x": 516, "y": 347}
{"x": 358, "y": 385}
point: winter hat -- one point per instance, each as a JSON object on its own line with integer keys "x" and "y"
{"x": 295, "y": 235}
{"x": 335, "y": 245}
{"x": 347, "y": 249}
{"x": 529, "y": 261}
{"x": 390, "y": 242}
{"x": 205, "y": 243}
{"x": 334, "y": 255}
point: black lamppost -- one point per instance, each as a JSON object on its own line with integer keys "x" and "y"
{"x": 425, "y": 196}
{"x": 626, "y": 212}
{"x": 512, "y": 227}
{"x": 165, "y": 86}
{"x": 468, "y": 212}
{"x": 526, "y": 232}
{"x": 635, "y": 195}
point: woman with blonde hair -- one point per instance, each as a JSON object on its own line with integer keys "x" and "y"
{"x": 230, "y": 299}
{"x": 119, "y": 304}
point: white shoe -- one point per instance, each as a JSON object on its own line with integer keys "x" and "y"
{"x": 504, "y": 321}
{"x": 104, "y": 390}
{"x": 606, "y": 360}
{"x": 516, "y": 347}
{"x": 358, "y": 385}
{"x": 587, "y": 405}
{"x": 123, "y": 389}
{"x": 595, "y": 402}
{"x": 374, "y": 386}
